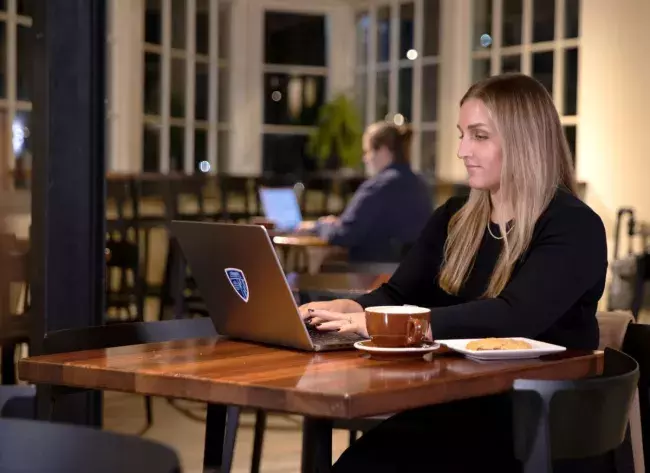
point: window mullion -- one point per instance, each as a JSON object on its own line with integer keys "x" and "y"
{"x": 213, "y": 86}
{"x": 558, "y": 59}
{"x": 527, "y": 37}
{"x": 190, "y": 82}
{"x": 497, "y": 37}
{"x": 11, "y": 39}
{"x": 371, "y": 77}
{"x": 393, "y": 76}
{"x": 165, "y": 85}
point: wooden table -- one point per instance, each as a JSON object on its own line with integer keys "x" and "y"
{"x": 324, "y": 387}
{"x": 316, "y": 249}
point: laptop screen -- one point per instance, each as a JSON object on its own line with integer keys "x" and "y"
{"x": 281, "y": 207}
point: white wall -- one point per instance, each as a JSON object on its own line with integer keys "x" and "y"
{"x": 125, "y": 59}
{"x": 614, "y": 106}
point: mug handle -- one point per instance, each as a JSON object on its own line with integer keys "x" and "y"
{"x": 415, "y": 331}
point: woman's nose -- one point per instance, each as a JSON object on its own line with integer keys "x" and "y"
{"x": 464, "y": 148}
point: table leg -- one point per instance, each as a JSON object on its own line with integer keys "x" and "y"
{"x": 215, "y": 430}
{"x": 8, "y": 362}
{"x": 316, "y": 445}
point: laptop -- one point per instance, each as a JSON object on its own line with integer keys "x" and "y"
{"x": 280, "y": 205}
{"x": 240, "y": 278}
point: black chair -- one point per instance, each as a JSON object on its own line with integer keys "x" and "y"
{"x": 94, "y": 338}
{"x": 637, "y": 345}
{"x": 122, "y": 334}
{"x": 14, "y": 326}
{"x": 125, "y": 291}
{"x": 18, "y": 401}
{"x": 577, "y": 419}
{"x": 29, "y": 446}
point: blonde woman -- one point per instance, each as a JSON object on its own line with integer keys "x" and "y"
{"x": 522, "y": 256}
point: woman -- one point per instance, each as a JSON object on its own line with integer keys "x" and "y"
{"x": 389, "y": 210}
{"x": 522, "y": 256}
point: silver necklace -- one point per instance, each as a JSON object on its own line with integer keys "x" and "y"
{"x": 498, "y": 237}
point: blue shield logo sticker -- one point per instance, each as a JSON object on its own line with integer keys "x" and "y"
{"x": 238, "y": 282}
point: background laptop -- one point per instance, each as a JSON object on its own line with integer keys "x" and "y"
{"x": 244, "y": 288}
{"x": 280, "y": 205}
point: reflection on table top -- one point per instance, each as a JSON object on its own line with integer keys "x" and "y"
{"x": 342, "y": 384}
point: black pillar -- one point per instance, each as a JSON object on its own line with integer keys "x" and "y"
{"x": 68, "y": 198}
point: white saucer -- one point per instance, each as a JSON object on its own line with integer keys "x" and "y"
{"x": 391, "y": 352}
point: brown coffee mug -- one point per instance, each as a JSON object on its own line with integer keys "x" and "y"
{"x": 397, "y": 326}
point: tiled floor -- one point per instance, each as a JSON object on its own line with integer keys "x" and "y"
{"x": 124, "y": 413}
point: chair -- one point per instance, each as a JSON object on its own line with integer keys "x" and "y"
{"x": 94, "y": 338}
{"x": 124, "y": 279}
{"x": 614, "y": 328}
{"x": 637, "y": 345}
{"x": 18, "y": 402}
{"x": 30, "y": 446}
{"x": 318, "y": 189}
{"x": 576, "y": 419}
{"x": 115, "y": 335}
{"x": 14, "y": 327}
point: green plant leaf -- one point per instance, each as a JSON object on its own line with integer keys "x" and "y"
{"x": 338, "y": 132}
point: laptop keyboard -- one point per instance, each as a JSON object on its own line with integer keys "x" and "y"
{"x": 320, "y": 337}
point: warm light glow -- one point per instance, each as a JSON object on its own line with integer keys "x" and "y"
{"x": 398, "y": 119}
{"x": 411, "y": 54}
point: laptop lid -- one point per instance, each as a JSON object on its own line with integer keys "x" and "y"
{"x": 280, "y": 205}
{"x": 242, "y": 283}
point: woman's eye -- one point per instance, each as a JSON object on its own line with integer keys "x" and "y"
{"x": 481, "y": 137}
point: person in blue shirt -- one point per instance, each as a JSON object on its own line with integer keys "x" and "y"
{"x": 390, "y": 209}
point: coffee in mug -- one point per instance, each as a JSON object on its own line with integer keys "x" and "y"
{"x": 397, "y": 326}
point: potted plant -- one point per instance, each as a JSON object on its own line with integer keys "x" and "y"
{"x": 336, "y": 141}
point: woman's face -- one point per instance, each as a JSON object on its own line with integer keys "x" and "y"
{"x": 375, "y": 160}
{"x": 480, "y": 146}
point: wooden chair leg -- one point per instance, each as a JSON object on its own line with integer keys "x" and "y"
{"x": 258, "y": 441}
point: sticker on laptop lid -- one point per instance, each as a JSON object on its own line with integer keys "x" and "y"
{"x": 238, "y": 282}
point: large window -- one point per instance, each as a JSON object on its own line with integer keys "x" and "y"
{"x": 15, "y": 99}
{"x": 185, "y": 125}
{"x": 537, "y": 37}
{"x": 398, "y": 48}
{"x": 294, "y": 87}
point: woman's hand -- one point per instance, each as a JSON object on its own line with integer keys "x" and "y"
{"x": 337, "y": 321}
{"x": 329, "y": 220}
{"x": 344, "y": 306}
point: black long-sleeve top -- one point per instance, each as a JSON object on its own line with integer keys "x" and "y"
{"x": 552, "y": 294}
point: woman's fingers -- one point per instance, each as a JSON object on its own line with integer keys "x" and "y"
{"x": 331, "y": 325}
{"x": 328, "y": 315}
{"x": 348, "y": 328}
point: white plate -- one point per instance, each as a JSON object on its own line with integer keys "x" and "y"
{"x": 364, "y": 346}
{"x": 539, "y": 349}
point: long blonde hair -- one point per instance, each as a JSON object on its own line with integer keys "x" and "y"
{"x": 535, "y": 161}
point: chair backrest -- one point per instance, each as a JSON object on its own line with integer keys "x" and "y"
{"x": 134, "y": 333}
{"x": 574, "y": 419}
{"x": 613, "y": 327}
{"x": 17, "y": 401}
{"x": 14, "y": 264}
{"x": 31, "y": 446}
{"x": 637, "y": 345}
